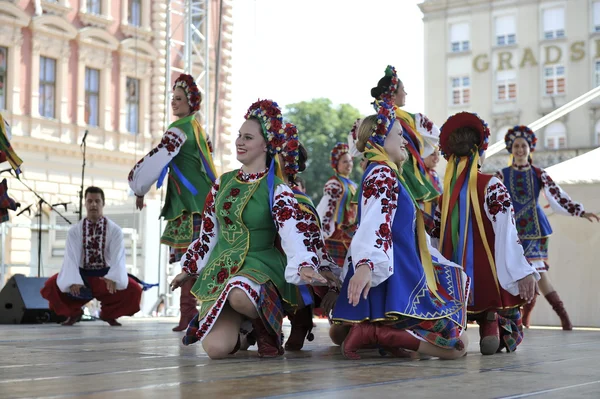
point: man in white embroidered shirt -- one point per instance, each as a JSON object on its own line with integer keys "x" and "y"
{"x": 93, "y": 267}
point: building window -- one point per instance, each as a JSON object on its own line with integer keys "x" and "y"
{"x": 459, "y": 37}
{"x": 554, "y": 23}
{"x": 555, "y": 80}
{"x": 93, "y": 7}
{"x": 134, "y": 16}
{"x": 133, "y": 105}
{"x": 47, "y": 86}
{"x": 461, "y": 90}
{"x": 556, "y": 136}
{"x": 506, "y": 85}
{"x": 92, "y": 96}
{"x": 596, "y": 16}
{"x": 506, "y": 30}
{"x": 3, "y": 57}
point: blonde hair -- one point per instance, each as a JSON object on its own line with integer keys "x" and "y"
{"x": 364, "y": 132}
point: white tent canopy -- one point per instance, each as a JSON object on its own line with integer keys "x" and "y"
{"x": 584, "y": 169}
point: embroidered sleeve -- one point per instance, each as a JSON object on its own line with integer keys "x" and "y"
{"x": 196, "y": 257}
{"x": 148, "y": 169}
{"x": 499, "y": 175}
{"x": 326, "y": 208}
{"x": 72, "y": 261}
{"x": 428, "y": 131}
{"x": 372, "y": 243}
{"x": 511, "y": 264}
{"x": 115, "y": 255}
{"x": 559, "y": 200}
{"x": 285, "y": 214}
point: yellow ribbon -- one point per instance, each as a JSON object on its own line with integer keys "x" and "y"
{"x": 203, "y": 145}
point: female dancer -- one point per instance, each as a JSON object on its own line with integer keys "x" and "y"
{"x": 336, "y": 210}
{"x": 524, "y": 183}
{"x": 185, "y": 153}
{"x": 478, "y": 232}
{"x": 393, "y": 294}
{"x": 241, "y": 272}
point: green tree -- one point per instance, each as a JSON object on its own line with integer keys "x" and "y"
{"x": 320, "y": 126}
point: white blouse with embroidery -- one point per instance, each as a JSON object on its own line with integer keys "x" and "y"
{"x": 511, "y": 264}
{"x": 110, "y": 251}
{"x": 284, "y": 212}
{"x": 332, "y": 193}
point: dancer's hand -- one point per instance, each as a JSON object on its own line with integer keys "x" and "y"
{"x": 332, "y": 280}
{"x": 178, "y": 280}
{"x": 74, "y": 289}
{"x": 111, "y": 286}
{"x": 359, "y": 284}
{"x": 310, "y": 276}
{"x": 527, "y": 288}
{"x": 139, "y": 202}
{"x": 591, "y": 217}
{"x": 328, "y": 302}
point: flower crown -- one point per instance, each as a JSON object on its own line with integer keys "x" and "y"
{"x": 336, "y": 153}
{"x": 390, "y": 71}
{"x": 187, "y": 83}
{"x": 385, "y": 120}
{"x": 268, "y": 114}
{"x": 520, "y": 131}
{"x": 464, "y": 119}
{"x": 291, "y": 154}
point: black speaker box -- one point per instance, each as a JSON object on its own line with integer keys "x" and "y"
{"x": 22, "y": 303}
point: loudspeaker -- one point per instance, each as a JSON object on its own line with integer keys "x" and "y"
{"x": 22, "y": 303}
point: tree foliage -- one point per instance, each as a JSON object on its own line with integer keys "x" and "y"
{"x": 320, "y": 127}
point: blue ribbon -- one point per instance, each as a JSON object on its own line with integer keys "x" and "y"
{"x": 187, "y": 184}
{"x": 305, "y": 293}
{"x": 207, "y": 168}
{"x": 271, "y": 182}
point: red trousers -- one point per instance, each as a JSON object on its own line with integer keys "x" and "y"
{"x": 113, "y": 306}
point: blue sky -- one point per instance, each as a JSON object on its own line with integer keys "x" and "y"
{"x": 296, "y": 50}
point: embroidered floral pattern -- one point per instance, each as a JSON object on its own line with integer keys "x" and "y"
{"x": 284, "y": 208}
{"x": 170, "y": 141}
{"x": 426, "y": 123}
{"x": 214, "y": 312}
{"x": 574, "y": 208}
{"x": 498, "y": 200}
{"x": 250, "y": 177}
{"x": 333, "y": 189}
{"x": 383, "y": 186}
{"x": 201, "y": 247}
{"x": 94, "y": 243}
{"x": 307, "y": 225}
{"x": 367, "y": 262}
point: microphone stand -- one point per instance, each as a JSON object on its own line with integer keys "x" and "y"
{"x": 83, "y": 146}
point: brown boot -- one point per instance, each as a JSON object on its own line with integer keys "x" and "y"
{"x": 187, "y": 305}
{"x": 302, "y": 325}
{"x": 527, "y": 308}
{"x": 489, "y": 333}
{"x": 72, "y": 320}
{"x": 267, "y": 343}
{"x": 557, "y": 305}
{"x": 361, "y": 335}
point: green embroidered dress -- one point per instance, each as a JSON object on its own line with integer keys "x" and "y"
{"x": 237, "y": 245}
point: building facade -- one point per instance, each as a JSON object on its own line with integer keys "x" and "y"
{"x": 513, "y": 62}
{"x": 68, "y": 67}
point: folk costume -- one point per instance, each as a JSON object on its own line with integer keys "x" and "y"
{"x": 7, "y": 154}
{"x": 183, "y": 157}
{"x": 237, "y": 246}
{"x": 336, "y": 210}
{"x": 93, "y": 251}
{"x": 413, "y": 297}
{"x": 476, "y": 228}
{"x": 524, "y": 183}
{"x": 309, "y": 224}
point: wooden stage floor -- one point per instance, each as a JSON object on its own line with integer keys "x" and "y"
{"x": 144, "y": 359}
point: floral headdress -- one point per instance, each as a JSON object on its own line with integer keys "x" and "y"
{"x": 338, "y": 150}
{"x": 352, "y": 138}
{"x": 390, "y": 71}
{"x": 520, "y": 131}
{"x": 187, "y": 83}
{"x": 290, "y": 152}
{"x": 385, "y": 120}
{"x": 269, "y": 116}
{"x": 464, "y": 119}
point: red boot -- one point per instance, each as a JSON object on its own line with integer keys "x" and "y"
{"x": 267, "y": 343}
{"x": 557, "y": 305}
{"x": 187, "y": 305}
{"x": 527, "y": 308}
{"x": 302, "y": 325}
{"x": 361, "y": 335}
{"x": 397, "y": 340}
{"x": 489, "y": 332}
